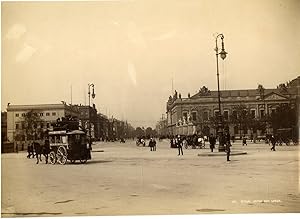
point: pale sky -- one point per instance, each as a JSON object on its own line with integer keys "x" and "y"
{"x": 131, "y": 50}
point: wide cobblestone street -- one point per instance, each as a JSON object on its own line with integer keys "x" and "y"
{"x": 123, "y": 179}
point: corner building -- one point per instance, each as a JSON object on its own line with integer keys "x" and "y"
{"x": 194, "y": 114}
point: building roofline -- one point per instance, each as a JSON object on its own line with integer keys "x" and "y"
{"x": 36, "y": 106}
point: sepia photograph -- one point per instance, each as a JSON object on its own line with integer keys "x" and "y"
{"x": 150, "y": 107}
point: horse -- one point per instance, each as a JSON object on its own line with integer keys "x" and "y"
{"x": 41, "y": 150}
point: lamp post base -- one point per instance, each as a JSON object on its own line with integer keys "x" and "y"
{"x": 221, "y": 147}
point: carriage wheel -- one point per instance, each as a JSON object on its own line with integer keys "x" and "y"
{"x": 52, "y": 157}
{"x": 61, "y": 155}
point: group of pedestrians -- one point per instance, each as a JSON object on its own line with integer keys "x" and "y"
{"x": 152, "y": 144}
{"x": 224, "y": 139}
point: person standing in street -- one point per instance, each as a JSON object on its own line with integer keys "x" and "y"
{"x": 151, "y": 144}
{"x": 179, "y": 145}
{"x": 273, "y": 142}
{"x": 212, "y": 142}
{"x": 227, "y": 145}
{"x": 154, "y": 144}
{"x": 227, "y": 149}
{"x": 244, "y": 140}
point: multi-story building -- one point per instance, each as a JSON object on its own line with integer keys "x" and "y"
{"x": 162, "y": 127}
{"x": 86, "y": 114}
{"x": 44, "y": 114}
{"x": 3, "y": 127}
{"x": 195, "y": 114}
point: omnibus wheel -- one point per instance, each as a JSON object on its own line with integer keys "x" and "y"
{"x": 61, "y": 155}
{"x": 52, "y": 157}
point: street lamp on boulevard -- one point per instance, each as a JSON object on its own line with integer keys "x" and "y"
{"x": 223, "y": 54}
{"x": 93, "y": 96}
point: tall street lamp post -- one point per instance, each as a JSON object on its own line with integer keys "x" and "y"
{"x": 93, "y": 96}
{"x": 223, "y": 54}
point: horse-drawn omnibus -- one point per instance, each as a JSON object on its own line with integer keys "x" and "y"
{"x": 68, "y": 145}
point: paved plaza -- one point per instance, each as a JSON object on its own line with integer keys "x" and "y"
{"x": 123, "y": 179}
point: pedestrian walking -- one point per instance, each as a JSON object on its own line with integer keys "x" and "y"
{"x": 273, "y": 142}
{"x": 227, "y": 150}
{"x": 154, "y": 144}
{"x": 151, "y": 144}
{"x": 212, "y": 142}
{"x": 244, "y": 141}
{"x": 179, "y": 145}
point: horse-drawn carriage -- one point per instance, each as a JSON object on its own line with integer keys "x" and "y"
{"x": 68, "y": 145}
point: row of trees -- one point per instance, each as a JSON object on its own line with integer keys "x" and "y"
{"x": 148, "y": 132}
{"x": 285, "y": 116}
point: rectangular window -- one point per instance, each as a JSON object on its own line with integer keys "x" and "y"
{"x": 48, "y": 125}
{"x": 234, "y": 114}
{"x": 205, "y": 116}
{"x": 41, "y": 114}
{"x": 253, "y": 113}
{"x": 226, "y": 114}
{"x": 54, "y": 114}
{"x": 184, "y": 115}
{"x": 262, "y": 113}
{"x": 17, "y": 126}
{"x": 47, "y": 114}
{"x": 217, "y": 113}
{"x": 236, "y": 130}
{"x": 17, "y": 114}
{"x": 194, "y": 116}
{"x": 23, "y": 125}
{"x": 23, "y": 114}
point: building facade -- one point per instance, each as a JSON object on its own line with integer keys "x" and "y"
{"x": 197, "y": 114}
{"x": 86, "y": 114}
{"x": 44, "y": 114}
{"x": 3, "y": 127}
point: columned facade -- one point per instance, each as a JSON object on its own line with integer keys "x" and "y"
{"x": 199, "y": 112}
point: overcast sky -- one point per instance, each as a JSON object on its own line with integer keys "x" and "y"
{"x": 131, "y": 50}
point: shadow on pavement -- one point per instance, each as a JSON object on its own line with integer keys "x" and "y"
{"x": 97, "y": 161}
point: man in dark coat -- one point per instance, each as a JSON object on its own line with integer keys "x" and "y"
{"x": 227, "y": 145}
{"x": 151, "y": 144}
{"x": 154, "y": 144}
{"x": 212, "y": 142}
{"x": 273, "y": 141}
{"x": 179, "y": 145}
